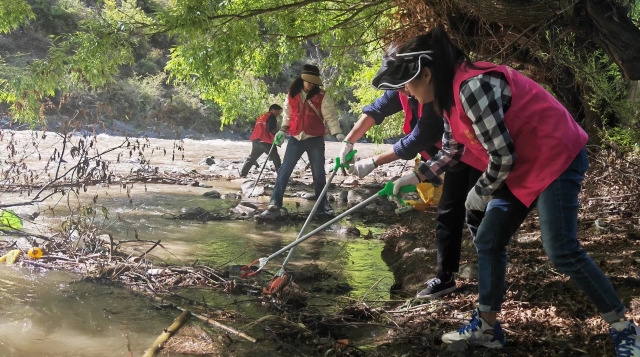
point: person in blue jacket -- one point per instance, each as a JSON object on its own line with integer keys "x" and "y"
{"x": 424, "y": 129}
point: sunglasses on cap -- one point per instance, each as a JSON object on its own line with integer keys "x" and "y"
{"x": 399, "y": 69}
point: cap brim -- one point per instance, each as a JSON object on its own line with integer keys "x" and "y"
{"x": 394, "y": 74}
{"x": 311, "y": 79}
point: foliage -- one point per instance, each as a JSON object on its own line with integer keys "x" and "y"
{"x": 242, "y": 98}
{"x": 604, "y": 89}
{"x": 14, "y": 13}
{"x": 625, "y": 138}
{"x": 366, "y": 94}
{"x": 10, "y": 220}
{"x": 218, "y": 45}
{"x": 57, "y": 17}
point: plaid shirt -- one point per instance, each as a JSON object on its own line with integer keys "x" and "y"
{"x": 485, "y": 99}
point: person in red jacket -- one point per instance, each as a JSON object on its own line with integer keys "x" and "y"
{"x": 307, "y": 110}
{"x": 535, "y": 157}
{"x": 262, "y": 138}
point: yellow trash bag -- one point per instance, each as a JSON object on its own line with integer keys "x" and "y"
{"x": 429, "y": 194}
{"x": 11, "y": 257}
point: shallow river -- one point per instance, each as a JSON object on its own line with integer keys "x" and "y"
{"x": 53, "y": 314}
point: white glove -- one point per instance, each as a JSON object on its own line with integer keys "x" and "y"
{"x": 409, "y": 179}
{"x": 346, "y": 148}
{"x": 475, "y": 202}
{"x": 363, "y": 167}
{"x": 340, "y": 136}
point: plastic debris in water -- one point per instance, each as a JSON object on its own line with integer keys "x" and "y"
{"x": 35, "y": 253}
{"x": 11, "y": 257}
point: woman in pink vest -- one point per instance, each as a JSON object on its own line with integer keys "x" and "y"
{"x": 535, "y": 156}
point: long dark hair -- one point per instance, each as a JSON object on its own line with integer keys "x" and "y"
{"x": 296, "y": 86}
{"x": 446, "y": 59}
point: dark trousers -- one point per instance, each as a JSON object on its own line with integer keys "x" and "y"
{"x": 314, "y": 147}
{"x": 452, "y": 215}
{"x": 259, "y": 148}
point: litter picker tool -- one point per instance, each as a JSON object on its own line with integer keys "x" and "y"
{"x": 260, "y": 175}
{"x": 387, "y": 191}
{"x": 279, "y": 280}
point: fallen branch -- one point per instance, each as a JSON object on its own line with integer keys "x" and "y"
{"x": 203, "y": 318}
{"x": 167, "y": 333}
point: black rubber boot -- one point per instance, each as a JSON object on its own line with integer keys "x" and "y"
{"x": 246, "y": 167}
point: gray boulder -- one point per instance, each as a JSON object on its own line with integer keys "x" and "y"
{"x": 212, "y": 194}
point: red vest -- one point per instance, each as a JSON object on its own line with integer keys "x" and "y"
{"x": 408, "y": 115}
{"x": 304, "y": 118}
{"x": 260, "y": 131}
{"x": 545, "y": 136}
{"x": 467, "y": 157}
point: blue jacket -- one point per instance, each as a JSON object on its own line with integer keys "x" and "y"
{"x": 426, "y": 131}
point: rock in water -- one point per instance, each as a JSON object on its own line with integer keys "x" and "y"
{"x": 193, "y": 213}
{"x": 230, "y": 196}
{"x": 209, "y": 160}
{"x": 243, "y": 210}
{"x": 309, "y": 196}
{"x": 356, "y": 196}
{"x": 248, "y": 204}
{"x": 212, "y": 194}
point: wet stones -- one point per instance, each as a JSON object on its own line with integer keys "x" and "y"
{"x": 212, "y": 194}
{"x": 350, "y": 232}
{"x": 357, "y": 196}
{"x": 209, "y": 160}
{"x": 193, "y": 213}
{"x": 243, "y": 210}
{"x": 230, "y": 196}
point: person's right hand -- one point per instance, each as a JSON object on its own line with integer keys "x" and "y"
{"x": 347, "y": 147}
{"x": 363, "y": 167}
{"x": 279, "y": 139}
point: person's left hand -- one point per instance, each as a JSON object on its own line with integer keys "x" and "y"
{"x": 475, "y": 202}
{"x": 340, "y": 136}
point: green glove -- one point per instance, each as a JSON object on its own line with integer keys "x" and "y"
{"x": 279, "y": 139}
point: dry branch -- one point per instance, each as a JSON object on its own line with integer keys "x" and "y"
{"x": 166, "y": 334}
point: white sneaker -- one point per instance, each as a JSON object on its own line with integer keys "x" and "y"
{"x": 626, "y": 336}
{"x": 478, "y": 332}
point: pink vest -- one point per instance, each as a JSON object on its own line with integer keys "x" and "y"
{"x": 467, "y": 157}
{"x": 545, "y": 136}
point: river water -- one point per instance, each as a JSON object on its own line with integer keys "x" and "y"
{"x": 55, "y": 314}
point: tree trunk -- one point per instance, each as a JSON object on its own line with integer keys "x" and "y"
{"x": 605, "y": 22}
{"x": 618, "y": 36}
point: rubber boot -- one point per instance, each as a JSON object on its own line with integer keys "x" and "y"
{"x": 246, "y": 167}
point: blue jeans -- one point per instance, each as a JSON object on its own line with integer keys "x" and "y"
{"x": 558, "y": 216}
{"x": 314, "y": 147}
